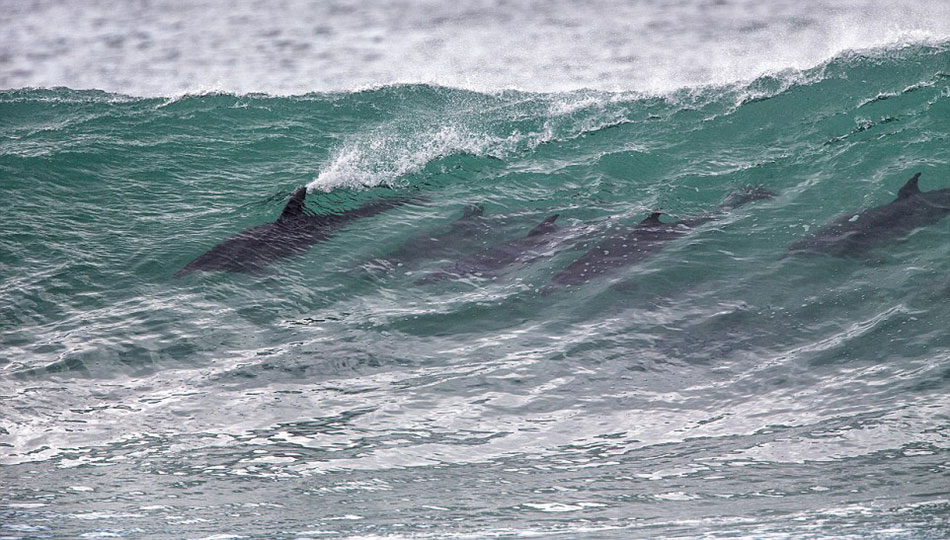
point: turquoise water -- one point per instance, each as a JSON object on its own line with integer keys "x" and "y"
{"x": 717, "y": 388}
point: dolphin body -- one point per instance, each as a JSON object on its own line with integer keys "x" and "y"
{"x": 855, "y": 233}
{"x": 293, "y": 233}
{"x": 642, "y": 241}
{"x": 497, "y": 258}
{"x": 469, "y": 229}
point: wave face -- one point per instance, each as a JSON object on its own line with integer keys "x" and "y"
{"x": 718, "y": 388}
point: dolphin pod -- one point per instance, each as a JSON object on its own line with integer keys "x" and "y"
{"x": 854, "y": 233}
{"x": 298, "y": 228}
{"x": 294, "y": 232}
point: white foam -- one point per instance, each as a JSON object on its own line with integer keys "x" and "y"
{"x": 164, "y": 48}
{"x": 384, "y": 156}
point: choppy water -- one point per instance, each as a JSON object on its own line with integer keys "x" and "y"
{"x": 716, "y": 389}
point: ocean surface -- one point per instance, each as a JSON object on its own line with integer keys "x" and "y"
{"x": 720, "y": 388}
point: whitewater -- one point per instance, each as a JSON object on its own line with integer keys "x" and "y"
{"x": 721, "y": 387}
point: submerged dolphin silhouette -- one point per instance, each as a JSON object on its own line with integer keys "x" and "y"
{"x": 642, "y": 241}
{"x": 468, "y": 230}
{"x": 499, "y": 257}
{"x": 294, "y": 232}
{"x": 854, "y": 233}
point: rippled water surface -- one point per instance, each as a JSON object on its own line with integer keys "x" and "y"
{"x": 720, "y": 387}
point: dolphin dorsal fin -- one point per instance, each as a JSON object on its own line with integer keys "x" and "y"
{"x": 472, "y": 210}
{"x": 544, "y": 226}
{"x": 653, "y": 219}
{"x": 295, "y": 207}
{"x": 910, "y": 188}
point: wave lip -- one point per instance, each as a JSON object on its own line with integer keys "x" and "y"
{"x": 645, "y": 46}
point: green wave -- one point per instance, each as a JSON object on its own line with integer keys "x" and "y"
{"x": 106, "y": 196}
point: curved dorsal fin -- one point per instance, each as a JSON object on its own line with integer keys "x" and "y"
{"x": 910, "y": 188}
{"x": 472, "y": 210}
{"x": 295, "y": 207}
{"x": 653, "y": 219}
{"x": 544, "y": 226}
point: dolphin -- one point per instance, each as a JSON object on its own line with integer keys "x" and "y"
{"x": 643, "y": 240}
{"x": 855, "y": 233}
{"x": 294, "y": 232}
{"x": 497, "y": 258}
{"x": 469, "y": 229}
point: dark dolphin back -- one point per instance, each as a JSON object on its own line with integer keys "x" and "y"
{"x": 292, "y": 233}
{"x": 545, "y": 226}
